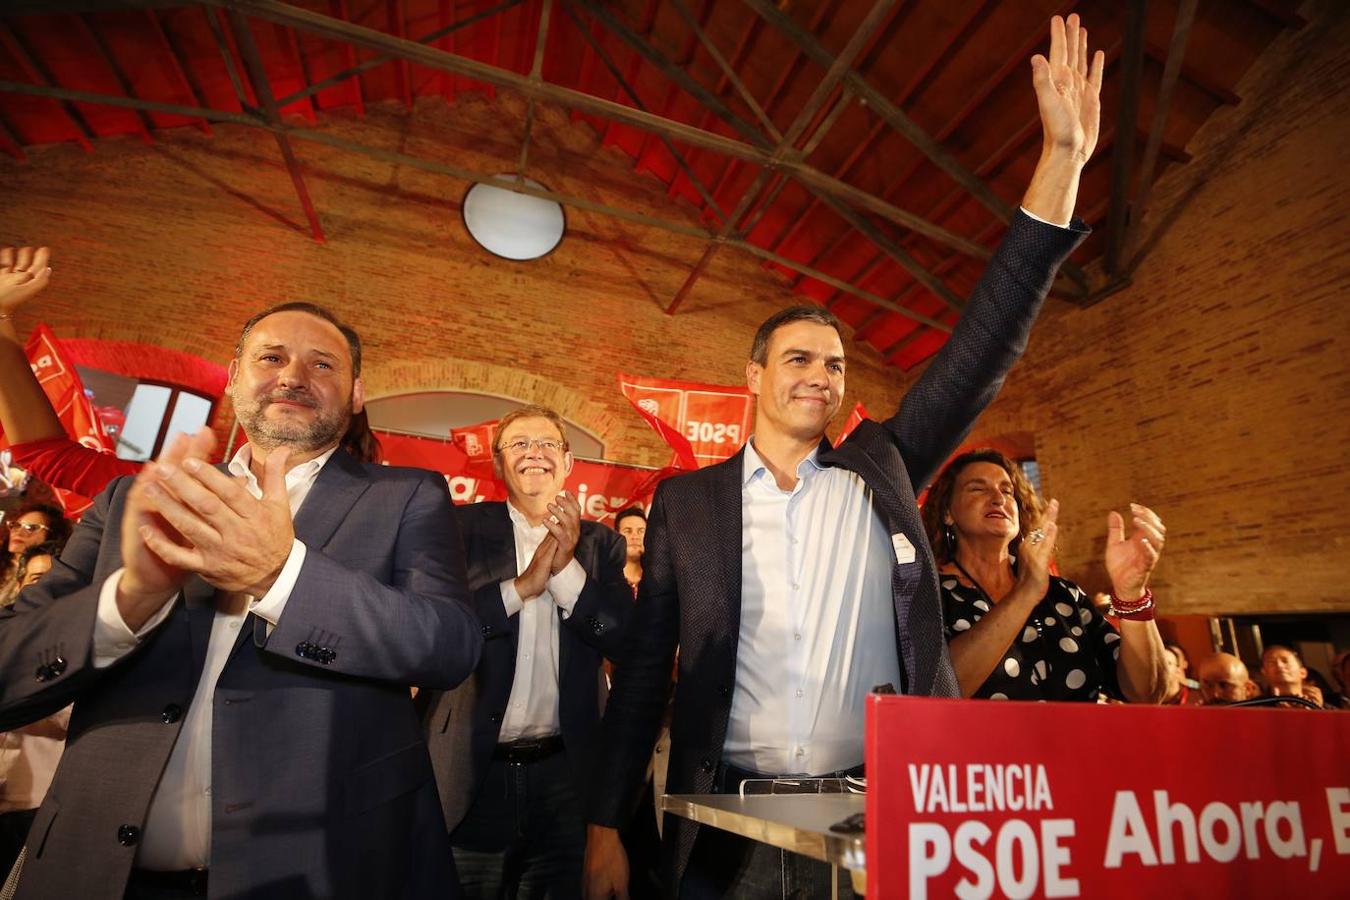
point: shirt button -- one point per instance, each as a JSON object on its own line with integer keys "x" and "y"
{"x": 801, "y": 752}
{"x": 797, "y": 636}
{"x": 527, "y": 656}
{"x": 800, "y": 693}
{"x": 235, "y": 625}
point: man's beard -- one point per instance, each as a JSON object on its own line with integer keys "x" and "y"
{"x": 323, "y": 431}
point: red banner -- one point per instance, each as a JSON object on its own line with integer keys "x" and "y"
{"x": 602, "y": 488}
{"x": 855, "y": 418}
{"x": 60, "y": 381}
{"x": 985, "y": 798}
{"x": 703, "y": 423}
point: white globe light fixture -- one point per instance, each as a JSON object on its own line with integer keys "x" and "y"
{"x": 511, "y": 225}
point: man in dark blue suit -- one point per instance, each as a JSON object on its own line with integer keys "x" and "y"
{"x": 795, "y": 577}
{"x": 512, "y": 746}
{"x": 238, "y": 643}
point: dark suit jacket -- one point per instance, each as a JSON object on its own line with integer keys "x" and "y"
{"x": 690, "y": 594}
{"x": 321, "y": 781}
{"x": 463, "y": 724}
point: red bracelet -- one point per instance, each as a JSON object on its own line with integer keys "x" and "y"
{"x": 1141, "y": 610}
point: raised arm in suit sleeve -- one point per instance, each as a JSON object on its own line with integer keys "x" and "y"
{"x": 604, "y": 607}
{"x": 637, "y": 699}
{"x": 47, "y": 635}
{"x": 419, "y": 629}
{"x": 964, "y": 377}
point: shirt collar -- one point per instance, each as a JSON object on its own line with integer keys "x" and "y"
{"x": 306, "y": 472}
{"x": 518, "y": 518}
{"x": 752, "y": 465}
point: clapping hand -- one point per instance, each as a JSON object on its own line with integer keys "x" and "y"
{"x": 1036, "y": 549}
{"x": 565, "y": 528}
{"x": 235, "y": 541}
{"x": 24, "y": 271}
{"x": 1130, "y": 560}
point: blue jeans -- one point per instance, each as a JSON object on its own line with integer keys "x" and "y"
{"x": 524, "y": 835}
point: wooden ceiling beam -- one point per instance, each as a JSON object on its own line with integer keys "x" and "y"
{"x": 354, "y": 69}
{"x": 673, "y": 71}
{"x": 262, "y": 89}
{"x": 40, "y": 74}
{"x": 185, "y": 80}
{"x": 729, "y": 75}
{"x": 608, "y": 62}
{"x": 1176, "y": 52}
{"x": 91, "y": 34}
{"x": 1127, "y": 115}
{"x": 787, "y": 144}
{"x": 883, "y": 107}
{"x": 536, "y": 75}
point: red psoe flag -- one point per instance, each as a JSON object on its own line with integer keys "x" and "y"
{"x": 702, "y": 423}
{"x": 854, "y": 419}
{"x": 61, "y": 382}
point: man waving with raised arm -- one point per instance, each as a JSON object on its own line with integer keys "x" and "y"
{"x": 795, "y": 577}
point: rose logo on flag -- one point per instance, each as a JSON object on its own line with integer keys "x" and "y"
{"x": 648, "y": 405}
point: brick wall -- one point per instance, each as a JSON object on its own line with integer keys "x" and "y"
{"x": 1216, "y": 388}
{"x": 179, "y": 242}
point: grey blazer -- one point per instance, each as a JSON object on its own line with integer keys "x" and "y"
{"x": 691, "y": 584}
{"x": 321, "y": 783}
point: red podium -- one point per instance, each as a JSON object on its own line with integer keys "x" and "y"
{"x": 1000, "y": 799}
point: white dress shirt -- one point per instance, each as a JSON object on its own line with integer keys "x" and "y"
{"x": 817, "y": 628}
{"x": 177, "y": 833}
{"x": 532, "y": 711}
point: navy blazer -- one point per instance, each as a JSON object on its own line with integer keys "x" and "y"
{"x": 463, "y": 724}
{"x": 321, "y": 783}
{"x": 690, "y": 594}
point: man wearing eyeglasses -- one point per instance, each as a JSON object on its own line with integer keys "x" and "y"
{"x": 512, "y": 745}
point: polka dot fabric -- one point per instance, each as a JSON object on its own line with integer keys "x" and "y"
{"x": 1066, "y": 651}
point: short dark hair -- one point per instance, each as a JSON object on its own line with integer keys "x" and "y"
{"x": 313, "y": 309}
{"x": 629, "y": 513}
{"x": 759, "y": 350}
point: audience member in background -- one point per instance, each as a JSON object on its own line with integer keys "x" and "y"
{"x": 1340, "y": 670}
{"x": 1184, "y": 664}
{"x": 512, "y": 745}
{"x": 632, "y": 524}
{"x": 1014, "y": 631}
{"x": 38, "y": 441}
{"x": 1286, "y": 676}
{"x": 29, "y": 525}
{"x": 1178, "y": 692}
{"x": 28, "y": 755}
{"x": 1224, "y": 679}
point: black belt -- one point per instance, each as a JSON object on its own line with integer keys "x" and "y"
{"x": 528, "y": 750}
{"x": 190, "y": 881}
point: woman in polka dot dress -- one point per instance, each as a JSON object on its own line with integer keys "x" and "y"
{"x": 1014, "y": 631}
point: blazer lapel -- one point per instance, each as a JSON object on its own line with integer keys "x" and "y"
{"x": 340, "y": 484}
{"x": 726, "y": 511}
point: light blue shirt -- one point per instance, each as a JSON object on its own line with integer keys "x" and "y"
{"x": 817, "y": 629}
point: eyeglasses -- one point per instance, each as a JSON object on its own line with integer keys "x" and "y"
{"x": 27, "y": 527}
{"x": 522, "y": 445}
